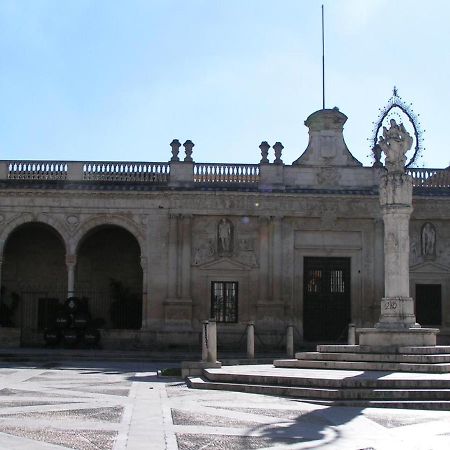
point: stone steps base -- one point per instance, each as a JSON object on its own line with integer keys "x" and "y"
{"x": 363, "y": 365}
{"x": 411, "y": 399}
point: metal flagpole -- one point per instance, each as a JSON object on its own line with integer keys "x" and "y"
{"x": 323, "y": 62}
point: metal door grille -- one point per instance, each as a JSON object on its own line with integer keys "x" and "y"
{"x": 326, "y": 298}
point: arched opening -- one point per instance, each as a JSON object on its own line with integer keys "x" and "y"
{"x": 34, "y": 277}
{"x": 109, "y": 274}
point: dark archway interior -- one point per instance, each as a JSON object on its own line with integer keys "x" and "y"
{"x": 33, "y": 267}
{"x": 110, "y": 275}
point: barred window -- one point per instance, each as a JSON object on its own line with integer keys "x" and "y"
{"x": 224, "y": 301}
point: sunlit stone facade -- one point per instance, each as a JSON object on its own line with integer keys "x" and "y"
{"x": 275, "y": 243}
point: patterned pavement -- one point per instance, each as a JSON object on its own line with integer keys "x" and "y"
{"x": 124, "y": 405}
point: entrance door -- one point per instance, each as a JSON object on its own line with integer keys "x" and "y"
{"x": 326, "y": 298}
{"x": 428, "y": 304}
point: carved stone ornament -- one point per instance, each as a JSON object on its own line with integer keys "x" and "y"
{"x": 428, "y": 238}
{"x": 204, "y": 252}
{"x": 395, "y": 142}
{"x": 328, "y": 176}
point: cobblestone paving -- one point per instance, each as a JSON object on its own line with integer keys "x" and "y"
{"x": 115, "y": 406}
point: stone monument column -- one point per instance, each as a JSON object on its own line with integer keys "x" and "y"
{"x": 397, "y": 323}
{"x": 397, "y": 307}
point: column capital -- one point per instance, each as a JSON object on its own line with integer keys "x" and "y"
{"x": 71, "y": 260}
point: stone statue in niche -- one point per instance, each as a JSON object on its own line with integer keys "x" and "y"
{"x": 395, "y": 142}
{"x": 413, "y": 253}
{"x": 428, "y": 240}
{"x": 225, "y": 237}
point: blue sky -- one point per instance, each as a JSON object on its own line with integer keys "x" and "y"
{"x": 118, "y": 80}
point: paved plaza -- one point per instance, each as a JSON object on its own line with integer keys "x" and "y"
{"x": 125, "y": 405}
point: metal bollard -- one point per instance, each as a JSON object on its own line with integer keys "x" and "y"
{"x": 212, "y": 341}
{"x": 251, "y": 340}
{"x": 290, "y": 341}
{"x": 351, "y": 334}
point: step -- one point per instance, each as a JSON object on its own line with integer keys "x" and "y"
{"x": 362, "y": 365}
{"x": 327, "y": 379}
{"x": 423, "y": 350}
{"x": 375, "y": 357}
{"x": 418, "y": 399}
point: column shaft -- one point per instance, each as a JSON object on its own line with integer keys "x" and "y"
{"x": 264, "y": 258}
{"x": 186, "y": 258}
{"x": 172, "y": 277}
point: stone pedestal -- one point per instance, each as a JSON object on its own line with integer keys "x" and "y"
{"x": 408, "y": 337}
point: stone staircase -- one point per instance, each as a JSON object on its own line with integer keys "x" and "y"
{"x": 347, "y": 375}
{"x": 432, "y": 359}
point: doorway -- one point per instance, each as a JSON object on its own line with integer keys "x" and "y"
{"x": 326, "y": 299}
{"x": 428, "y": 304}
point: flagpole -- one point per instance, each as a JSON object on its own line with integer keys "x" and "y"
{"x": 323, "y": 62}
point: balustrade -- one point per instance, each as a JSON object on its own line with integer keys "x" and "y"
{"x": 423, "y": 177}
{"x": 126, "y": 171}
{"x": 226, "y": 173}
{"x": 36, "y": 170}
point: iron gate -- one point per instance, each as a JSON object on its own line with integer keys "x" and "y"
{"x": 326, "y": 298}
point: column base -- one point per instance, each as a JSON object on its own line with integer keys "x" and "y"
{"x": 397, "y": 313}
{"x": 412, "y": 337}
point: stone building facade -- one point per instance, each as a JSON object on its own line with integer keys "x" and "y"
{"x": 273, "y": 243}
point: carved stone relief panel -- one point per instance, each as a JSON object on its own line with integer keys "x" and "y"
{"x": 217, "y": 237}
{"x": 328, "y": 176}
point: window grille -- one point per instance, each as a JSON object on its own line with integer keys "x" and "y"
{"x": 224, "y": 301}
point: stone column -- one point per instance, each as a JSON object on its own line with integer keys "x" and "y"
{"x": 186, "y": 258}
{"x": 172, "y": 278}
{"x": 277, "y": 258}
{"x": 397, "y": 324}
{"x": 264, "y": 258}
{"x": 397, "y": 307}
{"x": 71, "y": 262}
{"x": 145, "y": 302}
